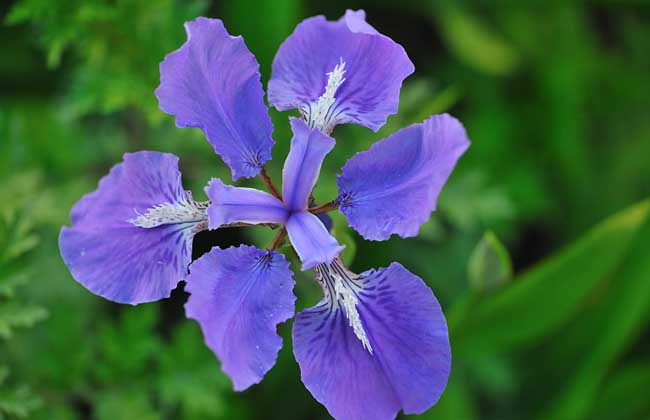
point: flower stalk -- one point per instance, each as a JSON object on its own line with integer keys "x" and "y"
{"x": 326, "y": 207}
{"x": 278, "y": 240}
{"x": 268, "y": 182}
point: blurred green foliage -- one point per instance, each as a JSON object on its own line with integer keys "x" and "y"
{"x": 489, "y": 267}
{"x": 548, "y": 321}
{"x": 18, "y": 219}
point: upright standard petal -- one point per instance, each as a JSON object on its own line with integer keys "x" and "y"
{"x": 339, "y": 72}
{"x": 245, "y": 205}
{"x": 302, "y": 167}
{"x": 311, "y": 240}
{"x": 377, "y": 343}
{"x": 131, "y": 239}
{"x": 393, "y": 187}
{"x": 213, "y": 83}
{"x": 239, "y": 296}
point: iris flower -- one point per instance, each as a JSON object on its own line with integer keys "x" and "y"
{"x": 377, "y": 343}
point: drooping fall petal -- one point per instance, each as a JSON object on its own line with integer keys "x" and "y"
{"x": 131, "y": 239}
{"x": 339, "y": 72}
{"x": 393, "y": 187}
{"x": 238, "y": 296}
{"x": 376, "y": 343}
{"x": 213, "y": 83}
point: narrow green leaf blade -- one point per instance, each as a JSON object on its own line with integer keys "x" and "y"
{"x": 542, "y": 299}
{"x": 620, "y": 398}
{"x": 626, "y": 306}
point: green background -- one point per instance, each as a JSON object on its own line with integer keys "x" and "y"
{"x": 539, "y": 252}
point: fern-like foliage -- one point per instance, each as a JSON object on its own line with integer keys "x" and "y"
{"x": 20, "y": 214}
{"x": 117, "y": 49}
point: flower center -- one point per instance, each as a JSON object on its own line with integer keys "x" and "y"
{"x": 342, "y": 287}
{"x": 321, "y": 114}
{"x": 184, "y": 211}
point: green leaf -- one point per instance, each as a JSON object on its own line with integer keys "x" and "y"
{"x": 456, "y": 403}
{"x": 8, "y": 284}
{"x": 14, "y": 315}
{"x": 263, "y": 36}
{"x": 18, "y": 402}
{"x": 134, "y": 335}
{"x": 116, "y": 47}
{"x": 474, "y": 42}
{"x": 440, "y": 103}
{"x": 541, "y": 300}
{"x": 4, "y": 373}
{"x": 20, "y": 245}
{"x": 342, "y": 233}
{"x": 197, "y": 387}
{"x": 468, "y": 200}
{"x": 489, "y": 266}
{"x": 125, "y": 404}
{"x": 620, "y": 398}
{"x": 623, "y": 316}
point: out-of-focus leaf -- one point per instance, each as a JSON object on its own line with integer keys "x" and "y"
{"x": 14, "y": 315}
{"x": 8, "y": 284}
{"x": 495, "y": 374}
{"x": 20, "y": 246}
{"x": 117, "y": 47}
{"x": 15, "y": 402}
{"x": 18, "y": 402}
{"x": 542, "y": 299}
{"x": 196, "y": 387}
{"x": 350, "y": 250}
{"x": 125, "y": 404}
{"x": 442, "y": 101}
{"x": 489, "y": 266}
{"x": 469, "y": 200}
{"x": 17, "y": 223}
{"x": 134, "y": 336}
{"x": 456, "y": 403}
{"x": 473, "y": 42}
{"x": 624, "y": 315}
{"x": 342, "y": 233}
{"x": 265, "y": 29}
{"x": 620, "y": 398}
{"x": 433, "y": 230}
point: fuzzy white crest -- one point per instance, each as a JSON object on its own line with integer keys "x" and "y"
{"x": 341, "y": 287}
{"x": 318, "y": 114}
{"x": 183, "y": 211}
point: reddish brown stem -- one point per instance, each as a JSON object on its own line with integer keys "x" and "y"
{"x": 279, "y": 238}
{"x": 266, "y": 179}
{"x": 324, "y": 208}
{"x": 242, "y": 224}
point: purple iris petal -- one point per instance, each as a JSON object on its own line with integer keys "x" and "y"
{"x": 239, "y": 296}
{"x": 321, "y": 53}
{"x": 302, "y": 167}
{"x": 213, "y": 83}
{"x": 311, "y": 240}
{"x": 236, "y": 204}
{"x": 356, "y": 21}
{"x": 405, "y": 360}
{"x": 108, "y": 250}
{"x": 393, "y": 187}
